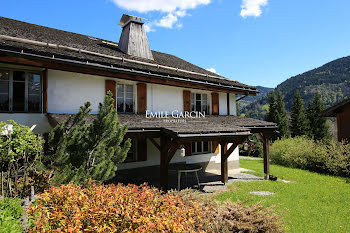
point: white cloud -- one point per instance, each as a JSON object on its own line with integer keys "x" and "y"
{"x": 252, "y": 7}
{"x": 213, "y": 70}
{"x": 149, "y": 27}
{"x": 167, "y": 21}
{"x": 168, "y": 6}
{"x": 174, "y": 9}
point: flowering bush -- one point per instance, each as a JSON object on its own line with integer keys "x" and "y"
{"x": 113, "y": 208}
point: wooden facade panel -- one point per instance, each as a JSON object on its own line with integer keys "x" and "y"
{"x": 141, "y": 98}
{"x": 188, "y": 149}
{"x": 111, "y": 86}
{"x": 187, "y": 100}
{"x": 343, "y": 123}
{"x": 215, "y": 103}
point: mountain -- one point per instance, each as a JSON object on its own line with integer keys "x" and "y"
{"x": 263, "y": 91}
{"x": 331, "y": 80}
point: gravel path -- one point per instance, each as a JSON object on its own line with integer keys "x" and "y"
{"x": 214, "y": 186}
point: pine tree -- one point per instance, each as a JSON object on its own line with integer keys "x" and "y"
{"x": 271, "y": 115}
{"x": 83, "y": 150}
{"x": 299, "y": 123}
{"x": 310, "y": 116}
{"x": 318, "y": 127}
{"x": 281, "y": 117}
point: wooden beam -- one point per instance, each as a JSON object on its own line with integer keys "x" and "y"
{"x": 224, "y": 164}
{"x": 56, "y": 65}
{"x": 266, "y": 149}
{"x": 164, "y": 165}
{"x": 172, "y": 150}
{"x": 264, "y": 137}
{"x": 154, "y": 143}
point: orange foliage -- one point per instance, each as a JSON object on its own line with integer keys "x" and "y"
{"x": 114, "y": 208}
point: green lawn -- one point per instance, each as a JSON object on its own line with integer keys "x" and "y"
{"x": 313, "y": 203}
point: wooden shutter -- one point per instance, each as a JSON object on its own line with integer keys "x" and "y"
{"x": 111, "y": 86}
{"x": 187, "y": 101}
{"x": 141, "y": 98}
{"x": 188, "y": 149}
{"x": 215, "y": 103}
{"x": 215, "y": 147}
{"x": 142, "y": 149}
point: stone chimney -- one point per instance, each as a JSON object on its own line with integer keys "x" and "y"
{"x": 133, "y": 40}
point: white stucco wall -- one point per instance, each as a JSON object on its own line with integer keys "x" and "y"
{"x": 233, "y": 110}
{"x": 29, "y": 119}
{"x": 222, "y": 104}
{"x": 164, "y": 98}
{"x": 68, "y": 91}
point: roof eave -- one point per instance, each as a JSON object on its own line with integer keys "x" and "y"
{"x": 246, "y": 91}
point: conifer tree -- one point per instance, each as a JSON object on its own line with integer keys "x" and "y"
{"x": 83, "y": 150}
{"x": 310, "y": 116}
{"x": 271, "y": 115}
{"x": 321, "y": 128}
{"x": 299, "y": 123}
{"x": 281, "y": 117}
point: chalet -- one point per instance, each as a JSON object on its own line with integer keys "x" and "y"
{"x": 47, "y": 74}
{"x": 342, "y": 112}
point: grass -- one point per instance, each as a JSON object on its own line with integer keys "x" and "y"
{"x": 313, "y": 203}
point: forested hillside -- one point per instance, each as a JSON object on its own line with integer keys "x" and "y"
{"x": 331, "y": 80}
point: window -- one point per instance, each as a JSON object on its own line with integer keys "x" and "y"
{"x": 199, "y": 102}
{"x": 125, "y": 98}
{"x": 131, "y": 156}
{"x": 20, "y": 91}
{"x": 203, "y": 147}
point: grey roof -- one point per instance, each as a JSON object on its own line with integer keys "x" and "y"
{"x": 15, "y": 28}
{"x": 210, "y": 124}
{"x": 332, "y": 111}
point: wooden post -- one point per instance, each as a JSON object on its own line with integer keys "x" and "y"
{"x": 266, "y": 145}
{"x": 164, "y": 165}
{"x": 224, "y": 165}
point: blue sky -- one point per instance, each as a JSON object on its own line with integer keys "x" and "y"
{"x": 258, "y": 42}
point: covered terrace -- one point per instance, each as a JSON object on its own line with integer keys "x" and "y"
{"x": 224, "y": 130}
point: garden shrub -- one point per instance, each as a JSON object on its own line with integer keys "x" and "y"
{"x": 233, "y": 216}
{"x": 40, "y": 180}
{"x": 113, "y": 208}
{"x": 10, "y": 215}
{"x": 330, "y": 157}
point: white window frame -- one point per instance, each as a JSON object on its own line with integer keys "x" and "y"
{"x": 201, "y": 143}
{"x": 124, "y": 97}
{"x": 26, "y": 92}
{"x": 193, "y": 102}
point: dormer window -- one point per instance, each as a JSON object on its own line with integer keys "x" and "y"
{"x": 199, "y": 103}
{"x": 125, "y": 98}
{"x": 20, "y": 91}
